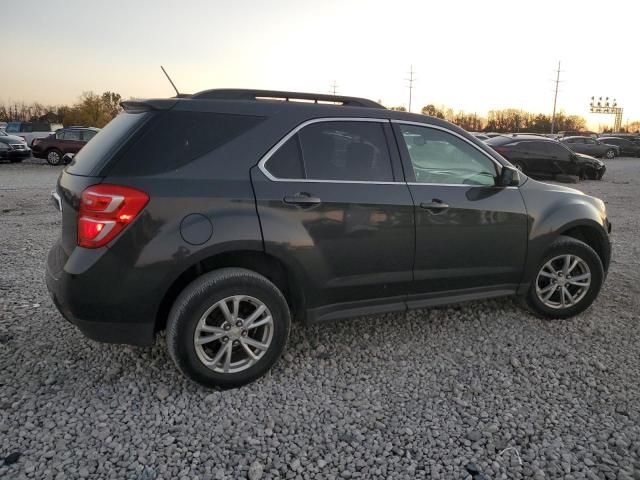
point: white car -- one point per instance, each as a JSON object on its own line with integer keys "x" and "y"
{"x": 31, "y": 130}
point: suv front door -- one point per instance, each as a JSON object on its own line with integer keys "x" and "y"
{"x": 471, "y": 236}
{"x": 334, "y": 207}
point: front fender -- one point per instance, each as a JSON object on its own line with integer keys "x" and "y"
{"x": 554, "y": 210}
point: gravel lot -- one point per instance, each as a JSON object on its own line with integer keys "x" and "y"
{"x": 394, "y": 396}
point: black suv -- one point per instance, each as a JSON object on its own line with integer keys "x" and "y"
{"x": 259, "y": 207}
{"x": 542, "y": 157}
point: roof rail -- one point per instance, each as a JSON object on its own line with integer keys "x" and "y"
{"x": 242, "y": 94}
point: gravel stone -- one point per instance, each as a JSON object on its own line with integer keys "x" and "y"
{"x": 421, "y": 394}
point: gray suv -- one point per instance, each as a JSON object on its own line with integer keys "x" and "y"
{"x": 259, "y": 209}
{"x": 591, "y": 146}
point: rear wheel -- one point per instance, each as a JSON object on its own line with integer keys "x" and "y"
{"x": 227, "y": 328}
{"x": 610, "y": 154}
{"x": 54, "y": 157}
{"x": 567, "y": 280}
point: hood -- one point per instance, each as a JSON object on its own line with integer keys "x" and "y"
{"x": 551, "y": 187}
{"x": 588, "y": 159}
{"x": 11, "y": 139}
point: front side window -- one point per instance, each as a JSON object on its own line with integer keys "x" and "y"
{"x": 335, "y": 150}
{"x": 88, "y": 135}
{"x": 441, "y": 157}
{"x": 72, "y": 135}
{"x": 557, "y": 151}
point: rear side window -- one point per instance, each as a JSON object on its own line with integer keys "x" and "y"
{"x": 332, "y": 150}
{"x": 105, "y": 143}
{"x": 287, "y": 161}
{"x": 176, "y": 138}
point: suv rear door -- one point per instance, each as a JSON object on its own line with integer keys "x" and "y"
{"x": 471, "y": 236}
{"x": 334, "y": 206}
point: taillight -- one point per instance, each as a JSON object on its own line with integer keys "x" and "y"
{"x": 501, "y": 150}
{"x": 105, "y": 210}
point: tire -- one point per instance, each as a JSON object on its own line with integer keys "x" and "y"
{"x": 583, "y": 296}
{"x": 200, "y": 305}
{"x": 588, "y": 173}
{"x": 610, "y": 154}
{"x": 518, "y": 165}
{"x": 54, "y": 157}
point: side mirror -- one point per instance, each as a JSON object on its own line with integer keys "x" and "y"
{"x": 508, "y": 177}
{"x": 67, "y": 158}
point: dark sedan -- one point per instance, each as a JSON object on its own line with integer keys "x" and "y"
{"x": 13, "y": 148}
{"x": 541, "y": 157}
{"x": 627, "y": 147}
{"x": 591, "y": 146}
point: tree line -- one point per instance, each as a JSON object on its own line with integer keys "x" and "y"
{"x": 91, "y": 109}
{"x": 96, "y": 110}
{"x": 504, "y": 120}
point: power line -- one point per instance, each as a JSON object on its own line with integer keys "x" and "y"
{"x": 555, "y": 98}
{"x": 411, "y": 81}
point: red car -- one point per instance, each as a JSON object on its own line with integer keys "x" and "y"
{"x": 65, "y": 140}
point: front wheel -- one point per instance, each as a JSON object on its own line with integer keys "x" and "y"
{"x": 567, "y": 280}
{"x": 54, "y": 157}
{"x": 228, "y": 328}
{"x": 610, "y": 154}
{"x": 519, "y": 166}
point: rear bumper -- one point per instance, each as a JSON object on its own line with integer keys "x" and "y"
{"x": 97, "y": 303}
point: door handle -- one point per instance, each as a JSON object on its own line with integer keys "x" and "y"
{"x": 434, "y": 205}
{"x": 301, "y": 199}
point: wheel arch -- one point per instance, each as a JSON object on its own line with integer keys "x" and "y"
{"x": 266, "y": 265}
{"x": 593, "y": 235}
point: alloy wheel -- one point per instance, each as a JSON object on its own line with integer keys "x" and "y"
{"x": 233, "y": 334}
{"x": 53, "y": 157}
{"x": 563, "y": 281}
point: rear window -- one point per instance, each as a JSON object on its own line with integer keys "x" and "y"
{"x": 105, "y": 143}
{"x": 176, "y": 138}
{"x": 499, "y": 140}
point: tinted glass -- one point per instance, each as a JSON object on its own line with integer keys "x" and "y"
{"x": 105, "y": 143}
{"x": 60, "y": 134}
{"x": 351, "y": 151}
{"x": 176, "y": 138}
{"x": 441, "y": 157}
{"x": 287, "y": 161}
{"x": 73, "y": 135}
{"x": 556, "y": 150}
{"x": 88, "y": 135}
{"x": 13, "y": 128}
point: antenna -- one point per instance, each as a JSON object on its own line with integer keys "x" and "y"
{"x": 555, "y": 99}
{"x": 170, "y": 81}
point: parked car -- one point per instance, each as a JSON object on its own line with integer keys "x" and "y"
{"x": 31, "y": 130}
{"x": 591, "y": 146}
{"x": 65, "y": 140}
{"x": 542, "y": 157}
{"x": 13, "y": 148}
{"x": 627, "y": 146}
{"x": 480, "y": 136}
{"x": 253, "y": 211}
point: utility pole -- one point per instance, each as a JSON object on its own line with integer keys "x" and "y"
{"x": 555, "y": 99}
{"x": 334, "y": 88}
{"x": 411, "y": 80}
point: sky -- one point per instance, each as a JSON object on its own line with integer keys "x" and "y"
{"x": 468, "y": 55}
